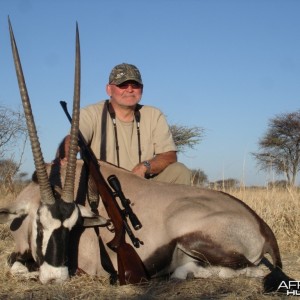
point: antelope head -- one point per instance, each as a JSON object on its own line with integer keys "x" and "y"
{"x": 57, "y": 213}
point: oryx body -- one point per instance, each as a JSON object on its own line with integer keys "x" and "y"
{"x": 185, "y": 229}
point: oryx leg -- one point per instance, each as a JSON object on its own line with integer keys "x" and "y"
{"x": 186, "y": 263}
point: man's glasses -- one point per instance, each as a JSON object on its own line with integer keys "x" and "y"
{"x": 125, "y": 85}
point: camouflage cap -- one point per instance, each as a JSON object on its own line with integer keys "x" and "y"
{"x": 124, "y": 72}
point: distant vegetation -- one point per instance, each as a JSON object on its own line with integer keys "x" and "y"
{"x": 280, "y": 146}
{"x": 13, "y": 137}
{"x": 186, "y": 137}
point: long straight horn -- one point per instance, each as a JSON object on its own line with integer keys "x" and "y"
{"x": 45, "y": 188}
{"x": 68, "y": 191}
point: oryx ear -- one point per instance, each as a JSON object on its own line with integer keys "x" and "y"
{"x": 90, "y": 219}
{"x": 8, "y": 214}
{"x": 95, "y": 221}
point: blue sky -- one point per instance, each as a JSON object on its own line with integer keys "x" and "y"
{"x": 225, "y": 65}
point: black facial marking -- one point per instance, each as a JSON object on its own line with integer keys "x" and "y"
{"x": 57, "y": 248}
{"x": 39, "y": 242}
{"x": 56, "y": 253}
{"x": 24, "y": 258}
{"x": 61, "y": 210}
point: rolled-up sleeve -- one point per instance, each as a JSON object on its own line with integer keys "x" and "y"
{"x": 155, "y": 133}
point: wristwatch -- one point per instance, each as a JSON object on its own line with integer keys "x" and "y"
{"x": 147, "y": 164}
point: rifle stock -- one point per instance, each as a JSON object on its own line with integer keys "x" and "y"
{"x": 130, "y": 266}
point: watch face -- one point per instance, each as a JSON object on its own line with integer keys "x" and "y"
{"x": 147, "y": 164}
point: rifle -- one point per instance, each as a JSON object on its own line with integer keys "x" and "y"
{"x": 130, "y": 266}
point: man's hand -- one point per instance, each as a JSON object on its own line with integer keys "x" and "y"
{"x": 157, "y": 163}
{"x": 140, "y": 170}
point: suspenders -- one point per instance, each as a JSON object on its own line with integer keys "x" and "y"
{"x": 109, "y": 108}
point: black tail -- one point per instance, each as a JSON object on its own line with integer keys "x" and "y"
{"x": 277, "y": 281}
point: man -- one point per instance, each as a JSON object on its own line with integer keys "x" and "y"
{"x": 132, "y": 136}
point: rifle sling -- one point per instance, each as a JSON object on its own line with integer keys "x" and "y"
{"x": 125, "y": 274}
{"x": 103, "y": 132}
{"x": 106, "y": 261}
{"x": 109, "y": 108}
{"x": 93, "y": 201}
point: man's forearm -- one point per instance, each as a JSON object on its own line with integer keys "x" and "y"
{"x": 157, "y": 164}
{"x": 161, "y": 161}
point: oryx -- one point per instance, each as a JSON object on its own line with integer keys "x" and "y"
{"x": 51, "y": 216}
{"x": 185, "y": 229}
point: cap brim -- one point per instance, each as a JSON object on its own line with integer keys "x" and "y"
{"x": 117, "y": 82}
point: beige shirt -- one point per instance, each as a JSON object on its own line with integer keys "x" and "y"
{"x": 155, "y": 135}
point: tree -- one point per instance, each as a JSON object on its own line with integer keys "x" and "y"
{"x": 199, "y": 178}
{"x": 280, "y": 146}
{"x": 12, "y": 129}
{"x": 8, "y": 170}
{"x": 186, "y": 136}
{"x": 13, "y": 137}
{"x": 278, "y": 184}
{"x": 225, "y": 184}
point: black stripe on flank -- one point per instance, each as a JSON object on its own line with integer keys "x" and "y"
{"x": 198, "y": 247}
{"x": 208, "y": 252}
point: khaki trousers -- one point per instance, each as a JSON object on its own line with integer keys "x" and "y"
{"x": 175, "y": 173}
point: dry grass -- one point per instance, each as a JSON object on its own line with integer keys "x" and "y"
{"x": 277, "y": 207}
{"x": 280, "y": 210}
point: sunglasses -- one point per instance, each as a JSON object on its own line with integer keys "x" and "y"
{"x": 125, "y": 85}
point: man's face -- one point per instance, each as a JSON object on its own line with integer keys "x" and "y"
{"x": 128, "y": 93}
